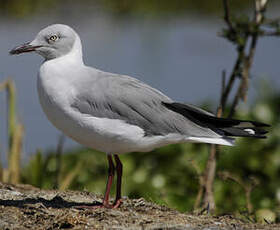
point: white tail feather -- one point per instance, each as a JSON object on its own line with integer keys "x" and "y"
{"x": 218, "y": 141}
{"x": 250, "y": 131}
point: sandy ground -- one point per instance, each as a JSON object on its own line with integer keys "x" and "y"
{"x": 26, "y": 207}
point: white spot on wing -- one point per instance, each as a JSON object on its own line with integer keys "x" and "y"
{"x": 250, "y": 131}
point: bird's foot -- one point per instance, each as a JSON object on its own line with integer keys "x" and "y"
{"x": 116, "y": 204}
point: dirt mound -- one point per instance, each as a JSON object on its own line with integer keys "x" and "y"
{"x": 26, "y": 207}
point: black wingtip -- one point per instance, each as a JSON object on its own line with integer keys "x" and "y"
{"x": 260, "y": 124}
{"x": 226, "y": 126}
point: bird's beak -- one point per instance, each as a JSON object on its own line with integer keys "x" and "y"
{"x": 26, "y": 47}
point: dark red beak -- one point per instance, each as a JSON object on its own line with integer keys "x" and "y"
{"x": 24, "y": 48}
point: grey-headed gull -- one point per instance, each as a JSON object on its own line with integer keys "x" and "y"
{"x": 115, "y": 113}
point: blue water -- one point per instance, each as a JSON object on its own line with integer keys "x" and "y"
{"x": 181, "y": 56}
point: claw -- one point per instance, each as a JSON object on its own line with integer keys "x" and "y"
{"x": 117, "y": 203}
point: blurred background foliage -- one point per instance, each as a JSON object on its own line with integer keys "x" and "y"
{"x": 169, "y": 175}
{"x": 26, "y": 8}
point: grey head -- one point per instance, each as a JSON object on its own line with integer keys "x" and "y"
{"x": 52, "y": 42}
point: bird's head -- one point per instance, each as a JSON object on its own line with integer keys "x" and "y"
{"x": 52, "y": 42}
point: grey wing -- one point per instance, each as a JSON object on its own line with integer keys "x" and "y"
{"x": 127, "y": 99}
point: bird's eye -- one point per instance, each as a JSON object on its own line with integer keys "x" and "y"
{"x": 53, "y": 38}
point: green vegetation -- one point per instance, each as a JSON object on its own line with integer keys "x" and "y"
{"x": 27, "y": 8}
{"x": 15, "y": 133}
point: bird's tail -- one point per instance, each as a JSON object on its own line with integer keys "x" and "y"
{"x": 245, "y": 129}
{"x": 224, "y": 126}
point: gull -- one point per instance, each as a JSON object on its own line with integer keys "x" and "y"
{"x": 114, "y": 113}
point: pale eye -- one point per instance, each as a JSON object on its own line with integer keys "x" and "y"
{"x": 53, "y": 38}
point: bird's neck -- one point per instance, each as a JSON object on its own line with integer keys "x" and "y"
{"x": 74, "y": 57}
{"x": 77, "y": 51}
{"x": 56, "y": 69}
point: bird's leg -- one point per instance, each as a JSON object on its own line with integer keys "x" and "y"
{"x": 111, "y": 173}
{"x": 105, "y": 203}
{"x": 119, "y": 168}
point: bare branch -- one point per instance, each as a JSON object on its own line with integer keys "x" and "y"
{"x": 201, "y": 184}
{"x": 243, "y": 34}
{"x": 221, "y": 108}
{"x": 209, "y": 177}
{"x": 260, "y": 7}
{"x": 235, "y": 102}
{"x": 234, "y": 74}
{"x": 227, "y": 15}
{"x": 247, "y": 186}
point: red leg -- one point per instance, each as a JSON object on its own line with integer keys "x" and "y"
{"x": 111, "y": 173}
{"x": 119, "y": 168}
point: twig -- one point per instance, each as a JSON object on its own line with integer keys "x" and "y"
{"x": 220, "y": 109}
{"x": 201, "y": 184}
{"x": 227, "y": 15}
{"x": 260, "y": 6}
{"x": 206, "y": 179}
{"x": 248, "y": 187}
{"x": 209, "y": 177}
{"x": 234, "y": 74}
{"x": 210, "y": 170}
